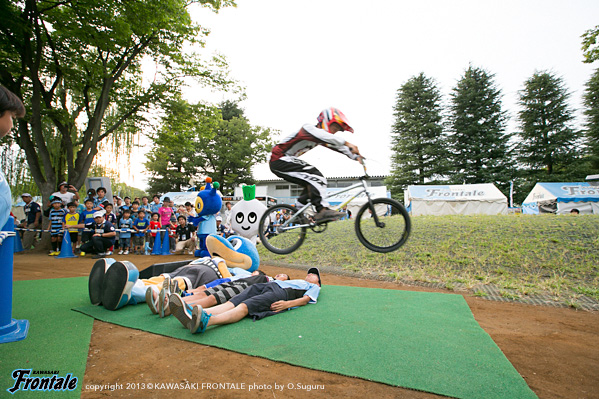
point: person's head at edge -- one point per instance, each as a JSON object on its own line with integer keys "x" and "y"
{"x": 11, "y": 107}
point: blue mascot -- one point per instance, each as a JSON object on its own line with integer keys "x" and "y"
{"x": 208, "y": 204}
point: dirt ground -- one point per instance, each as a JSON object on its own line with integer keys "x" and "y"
{"x": 555, "y": 350}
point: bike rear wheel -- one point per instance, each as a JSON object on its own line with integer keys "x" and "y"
{"x": 392, "y": 230}
{"x": 276, "y": 235}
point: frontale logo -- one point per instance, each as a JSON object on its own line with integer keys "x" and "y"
{"x": 23, "y": 382}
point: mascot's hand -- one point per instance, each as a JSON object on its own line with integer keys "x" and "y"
{"x": 196, "y": 220}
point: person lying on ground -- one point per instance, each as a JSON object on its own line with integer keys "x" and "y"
{"x": 207, "y": 297}
{"x": 257, "y": 301}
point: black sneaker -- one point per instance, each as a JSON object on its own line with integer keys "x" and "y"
{"x": 328, "y": 215}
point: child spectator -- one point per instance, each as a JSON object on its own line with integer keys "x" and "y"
{"x": 141, "y": 226}
{"x": 55, "y": 225}
{"x": 190, "y": 210}
{"x": 100, "y": 198}
{"x": 165, "y": 212}
{"x": 186, "y": 237}
{"x": 125, "y": 225}
{"x": 220, "y": 227}
{"x": 72, "y": 219}
{"x": 154, "y": 225}
{"x": 145, "y": 204}
{"x": 127, "y": 204}
{"x": 91, "y": 194}
{"x": 87, "y": 219}
{"x": 80, "y": 206}
{"x": 228, "y": 212}
{"x": 155, "y": 206}
{"x": 118, "y": 204}
{"x": 109, "y": 215}
{"x": 172, "y": 234}
{"x": 134, "y": 209}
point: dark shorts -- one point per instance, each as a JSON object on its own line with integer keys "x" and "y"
{"x": 138, "y": 241}
{"x": 258, "y": 299}
{"x": 225, "y": 291}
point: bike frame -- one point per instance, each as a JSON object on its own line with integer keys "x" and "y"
{"x": 352, "y": 187}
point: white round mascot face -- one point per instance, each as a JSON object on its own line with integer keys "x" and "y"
{"x": 245, "y": 216}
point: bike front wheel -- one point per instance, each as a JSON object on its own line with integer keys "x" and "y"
{"x": 277, "y": 234}
{"x": 386, "y": 232}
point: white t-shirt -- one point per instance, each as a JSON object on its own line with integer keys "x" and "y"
{"x": 66, "y": 197}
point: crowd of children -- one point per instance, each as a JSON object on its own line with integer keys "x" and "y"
{"x": 136, "y": 224}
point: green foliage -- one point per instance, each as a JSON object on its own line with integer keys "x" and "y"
{"x": 478, "y": 141}
{"x": 174, "y": 159}
{"x": 591, "y": 111}
{"x": 229, "y": 154}
{"x": 549, "y": 148}
{"x": 590, "y": 49}
{"x": 419, "y": 148}
{"x": 196, "y": 141}
{"x": 78, "y": 68}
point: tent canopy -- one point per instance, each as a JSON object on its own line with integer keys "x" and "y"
{"x": 466, "y": 199}
{"x": 561, "y": 198}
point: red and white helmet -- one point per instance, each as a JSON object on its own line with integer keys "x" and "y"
{"x": 333, "y": 115}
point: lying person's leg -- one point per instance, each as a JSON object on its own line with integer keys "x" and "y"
{"x": 183, "y": 312}
{"x": 203, "y": 301}
{"x": 200, "y": 320}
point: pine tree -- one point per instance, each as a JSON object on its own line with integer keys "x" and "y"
{"x": 548, "y": 146}
{"x": 418, "y": 142}
{"x": 591, "y": 102}
{"x": 478, "y": 141}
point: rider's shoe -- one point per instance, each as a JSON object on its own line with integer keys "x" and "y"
{"x": 303, "y": 219}
{"x": 328, "y": 215}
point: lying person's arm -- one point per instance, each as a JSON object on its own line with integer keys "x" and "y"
{"x": 282, "y": 305}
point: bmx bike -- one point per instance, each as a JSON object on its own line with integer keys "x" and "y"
{"x": 381, "y": 224}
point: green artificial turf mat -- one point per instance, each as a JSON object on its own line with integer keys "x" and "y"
{"x": 58, "y": 338}
{"x": 423, "y": 341}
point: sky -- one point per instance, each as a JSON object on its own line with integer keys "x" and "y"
{"x": 295, "y": 58}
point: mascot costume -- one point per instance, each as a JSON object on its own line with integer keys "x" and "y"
{"x": 246, "y": 214}
{"x": 208, "y": 204}
{"x": 116, "y": 284}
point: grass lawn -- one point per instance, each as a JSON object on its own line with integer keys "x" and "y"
{"x": 520, "y": 254}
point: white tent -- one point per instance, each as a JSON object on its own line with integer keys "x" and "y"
{"x": 466, "y": 199}
{"x": 561, "y": 198}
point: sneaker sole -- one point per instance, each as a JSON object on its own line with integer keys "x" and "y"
{"x": 162, "y": 297}
{"x": 150, "y": 300}
{"x": 196, "y": 319}
{"x": 177, "y": 307}
{"x": 114, "y": 284}
{"x": 96, "y": 279}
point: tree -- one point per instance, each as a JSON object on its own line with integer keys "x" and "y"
{"x": 590, "y": 49}
{"x": 196, "y": 141}
{"x": 418, "y": 143}
{"x": 174, "y": 161}
{"x": 77, "y": 66}
{"x": 548, "y": 146}
{"x": 591, "y": 111}
{"x": 477, "y": 140}
{"x": 236, "y": 146}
